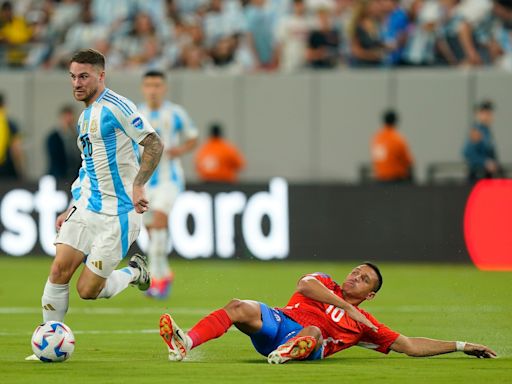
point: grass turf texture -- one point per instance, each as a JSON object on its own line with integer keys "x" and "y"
{"x": 117, "y": 339}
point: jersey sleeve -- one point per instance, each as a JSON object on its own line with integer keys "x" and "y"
{"x": 324, "y": 278}
{"x": 133, "y": 123}
{"x": 379, "y": 341}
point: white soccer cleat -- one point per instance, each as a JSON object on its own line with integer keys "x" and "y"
{"x": 141, "y": 263}
{"x": 174, "y": 337}
{"x": 297, "y": 348}
{"x": 32, "y": 358}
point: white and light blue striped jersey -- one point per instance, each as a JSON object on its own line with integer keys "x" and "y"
{"x": 173, "y": 125}
{"x": 109, "y": 131}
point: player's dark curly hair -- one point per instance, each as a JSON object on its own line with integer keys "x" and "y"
{"x": 89, "y": 56}
{"x": 154, "y": 73}
{"x": 379, "y": 275}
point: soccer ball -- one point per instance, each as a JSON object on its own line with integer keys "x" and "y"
{"x": 53, "y": 341}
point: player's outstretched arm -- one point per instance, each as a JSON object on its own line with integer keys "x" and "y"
{"x": 314, "y": 289}
{"x": 153, "y": 149}
{"x": 422, "y": 347}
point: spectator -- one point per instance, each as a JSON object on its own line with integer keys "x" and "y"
{"x": 467, "y": 32}
{"x": 217, "y": 160}
{"x": 223, "y": 52}
{"x": 476, "y": 32}
{"x": 392, "y": 160}
{"x": 260, "y": 32}
{"x": 420, "y": 49}
{"x": 223, "y": 19}
{"x": 15, "y": 34}
{"x": 11, "y": 151}
{"x": 396, "y": 24}
{"x": 113, "y": 14}
{"x": 62, "y": 151}
{"x": 41, "y": 45}
{"x": 85, "y": 33}
{"x": 503, "y": 11}
{"x": 366, "y": 48}
{"x": 291, "y": 35}
{"x": 324, "y": 42}
{"x": 479, "y": 150}
{"x": 63, "y": 15}
{"x": 137, "y": 47}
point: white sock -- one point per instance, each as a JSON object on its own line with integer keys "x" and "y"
{"x": 118, "y": 281}
{"x": 55, "y": 301}
{"x": 157, "y": 253}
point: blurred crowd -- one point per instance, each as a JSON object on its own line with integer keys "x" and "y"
{"x": 258, "y": 35}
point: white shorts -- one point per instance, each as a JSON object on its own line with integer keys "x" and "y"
{"x": 161, "y": 198}
{"x": 104, "y": 239}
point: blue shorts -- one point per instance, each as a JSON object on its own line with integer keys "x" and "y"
{"x": 277, "y": 329}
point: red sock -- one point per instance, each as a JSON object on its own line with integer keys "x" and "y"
{"x": 212, "y": 326}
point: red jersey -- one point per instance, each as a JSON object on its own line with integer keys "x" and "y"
{"x": 339, "y": 331}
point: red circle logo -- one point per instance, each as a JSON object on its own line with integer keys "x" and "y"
{"x": 488, "y": 224}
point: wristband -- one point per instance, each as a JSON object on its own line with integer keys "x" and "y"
{"x": 460, "y": 345}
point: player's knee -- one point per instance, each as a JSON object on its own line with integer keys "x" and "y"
{"x": 233, "y": 305}
{"x": 312, "y": 331}
{"x": 87, "y": 293}
{"x": 235, "y": 309}
{"x": 240, "y": 310}
{"x": 60, "y": 274}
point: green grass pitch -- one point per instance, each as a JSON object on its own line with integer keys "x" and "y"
{"x": 117, "y": 339}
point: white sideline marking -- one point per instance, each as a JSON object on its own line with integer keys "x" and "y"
{"x": 109, "y": 311}
{"x": 204, "y": 311}
{"x": 102, "y": 332}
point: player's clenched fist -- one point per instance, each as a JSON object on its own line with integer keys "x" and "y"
{"x": 140, "y": 202}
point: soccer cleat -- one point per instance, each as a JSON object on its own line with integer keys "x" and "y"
{"x": 160, "y": 288}
{"x": 32, "y": 358}
{"x": 297, "y": 348}
{"x": 166, "y": 286}
{"x": 141, "y": 263}
{"x": 174, "y": 337}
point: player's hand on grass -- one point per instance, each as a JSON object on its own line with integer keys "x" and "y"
{"x": 480, "y": 351}
{"x": 140, "y": 202}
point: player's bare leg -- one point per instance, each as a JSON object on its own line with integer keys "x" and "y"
{"x": 89, "y": 284}
{"x": 307, "y": 341}
{"x": 162, "y": 276}
{"x": 244, "y": 314}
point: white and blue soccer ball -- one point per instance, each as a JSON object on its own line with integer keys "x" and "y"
{"x": 53, "y": 341}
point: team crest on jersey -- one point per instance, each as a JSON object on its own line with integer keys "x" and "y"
{"x": 137, "y": 123}
{"x": 94, "y": 127}
{"x": 83, "y": 130}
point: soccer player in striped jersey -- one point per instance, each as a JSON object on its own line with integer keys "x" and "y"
{"x": 104, "y": 218}
{"x": 320, "y": 319}
{"x": 179, "y": 135}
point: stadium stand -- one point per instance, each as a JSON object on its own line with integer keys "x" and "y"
{"x": 244, "y": 35}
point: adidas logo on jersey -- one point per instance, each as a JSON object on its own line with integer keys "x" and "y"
{"x": 98, "y": 264}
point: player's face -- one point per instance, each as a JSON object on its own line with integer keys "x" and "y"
{"x": 154, "y": 90}
{"x": 87, "y": 81}
{"x": 485, "y": 116}
{"x": 360, "y": 283}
